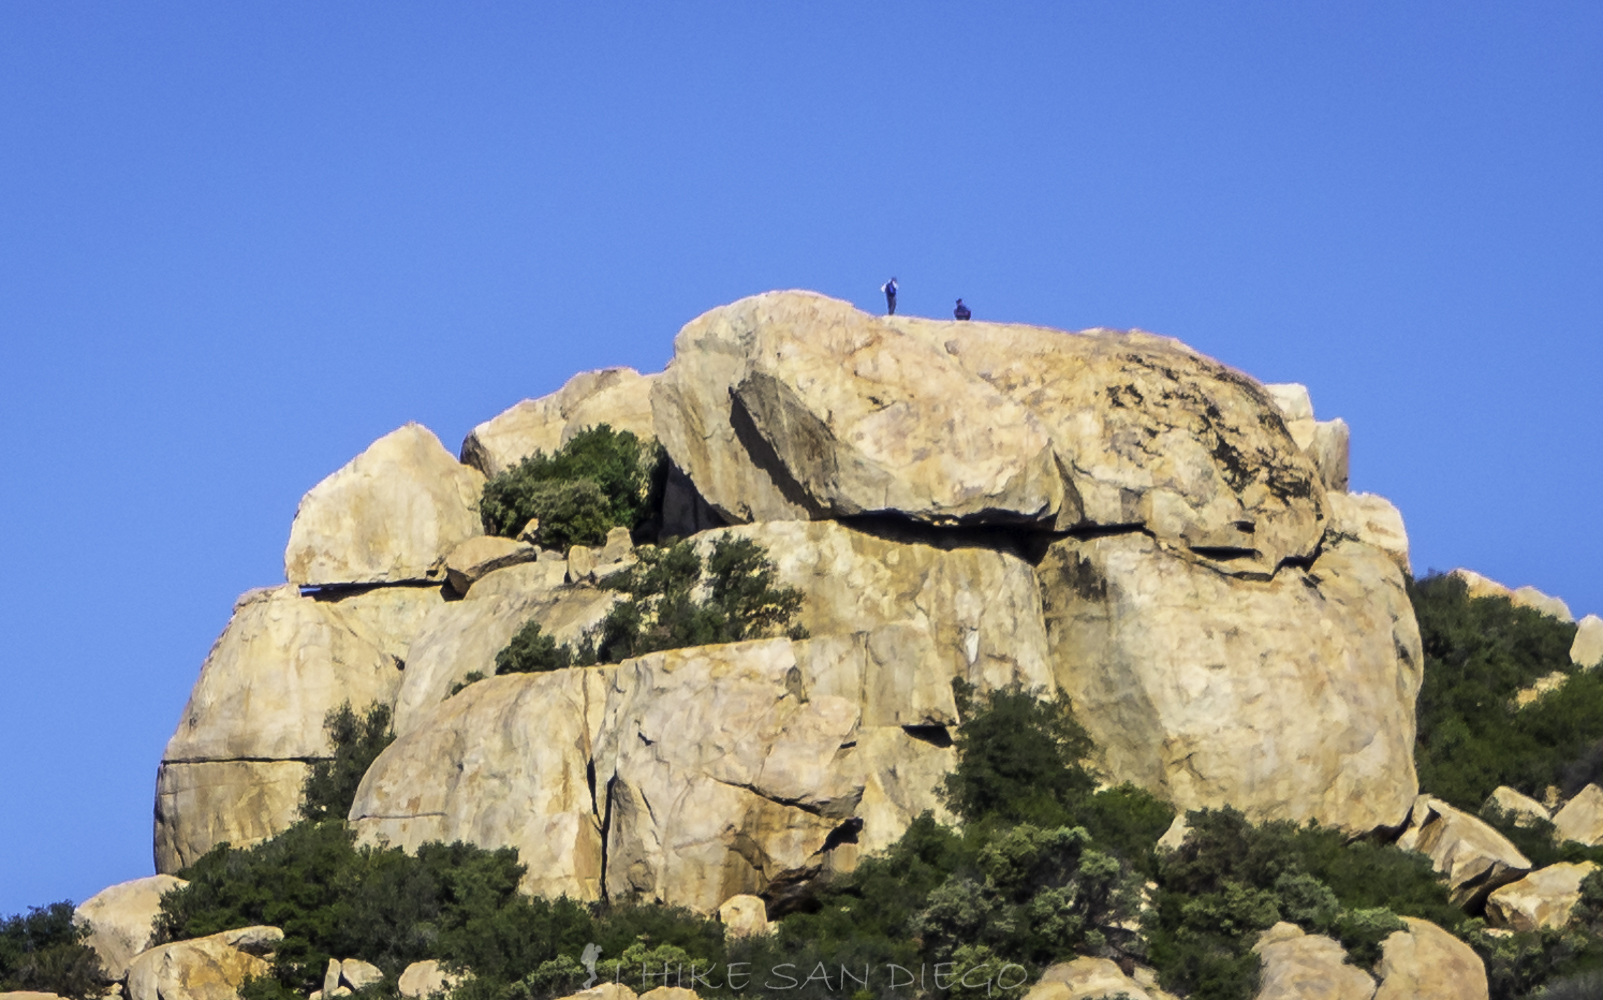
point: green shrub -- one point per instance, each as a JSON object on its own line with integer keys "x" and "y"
{"x": 600, "y": 479}
{"x": 330, "y": 788}
{"x": 531, "y": 651}
{"x": 1480, "y": 652}
{"x": 1020, "y": 758}
{"x": 44, "y": 951}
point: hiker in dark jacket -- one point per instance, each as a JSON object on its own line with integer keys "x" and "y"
{"x": 889, "y": 288}
{"x": 961, "y": 312}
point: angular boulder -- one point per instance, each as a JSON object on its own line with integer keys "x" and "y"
{"x": 1425, "y": 962}
{"x": 208, "y": 968}
{"x": 1587, "y": 650}
{"x": 1148, "y": 432}
{"x": 1525, "y": 597}
{"x": 792, "y": 405}
{"x": 389, "y": 618}
{"x": 389, "y": 516}
{"x": 358, "y": 974}
{"x": 119, "y": 919}
{"x": 1541, "y": 900}
{"x": 501, "y": 764}
{"x": 1299, "y": 966}
{"x": 421, "y": 980}
{"x": 721, "y": 778}
{"x": 482, "y": 555}
{"x": 618, "y": 397}
{"x": 1288, "y": 698}
{"x": 1472, "y": 856}
{"x": 239, "y": 802}
{"x": 1088, "y": 979}
{"x": 1371, "y": 519}
{"x": 1581, "y": 819}
{"x": 463, "y": 637}
{"x": 1522, "y": 809}
{"x": 743, "y": 916}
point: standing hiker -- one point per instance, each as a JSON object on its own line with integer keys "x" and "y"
{"x": 961, "y": 312}
{"x": 889, "y": 288}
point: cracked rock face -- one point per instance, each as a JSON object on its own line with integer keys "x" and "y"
{"x": 389, "y": 516}
{"x": 502, "y": 763}
{"x": 618, "y": 397}
{"x": 1290, "y": 698}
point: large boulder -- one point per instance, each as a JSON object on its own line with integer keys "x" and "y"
{"x": 618, "y": 397}
{"x": 1371, "y": 519}
{"x": 1477, "y": 585}
{"x": 208, "y": 968}
{"x": 119, "y": 919}
{"x": 1088, "y": 978}
{"x": 1587, "y": 650}
{"x": 1472, "y": 856}
{"x": 1325, "y": 442}
{"x": 1148, "y": 432}
{"x": 463, "y": 637}
{"x": 721, "y": 774}
{"x": 234, "y": 766}
{"x": 389, "y": 516}
{"x": 1299, "y": 966}
{"x": 1581, "y": 819}
{"x": 1541, "y": 900}
{"x": 1523, "y": 810}
{"x": 1425, "y": 962}
{"x": 240, "y": 802}
{"x": 1288, "y": 698}
{"x": 482, "y": 555}
{"x": 792, "y": 405}
{"x": 501, "y": 764}
{"x": 389, "y": 618}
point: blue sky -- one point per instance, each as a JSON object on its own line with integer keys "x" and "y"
{"x": 240, "y": 241}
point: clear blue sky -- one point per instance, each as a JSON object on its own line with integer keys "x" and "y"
{"x": 240, "y": 241}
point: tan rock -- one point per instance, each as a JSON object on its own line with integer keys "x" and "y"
{"x": 607, "y": 991}
{"x": 1200, "y": 686}
{"x": 619, "y": 397}
{"x": 1476, "y": 585}
{"x": 119, "y": 919}
{"x": 1148, "y": 432}
{"x": 1522, "y": 809}
{"x": 1473, "y": 857}
{"x": 1545, "y": 684}
{"x": 581, "y": 564}
{"x": 980, "y": 606}
{"x": 471, "y": 560}
{"x": 1581, "y": 819}
{"x": 388, "y": 618}
{"x": 331, "y": 976}
{"x": 1291, "y": 399}
{"x": 743, "y": 916}
{"x": 722, "y": 779}
{"x": 523, "y": 580}
{"x": 617, "y": 548}
{"x": 208, "y": 968}
{"x": 502, "y": 764}
{"x": 1541, "y": 900}
{"x": 1086, "y": 979}
{"x": 1327, "y": 445}
{"x": 282, "y": 664}
{"x": 1371, "y": 519}
{"x": 29, "y": 995}
{"x": 358, "y": 974}
{"x": 530, "y": 532}
{"x": 901, "y": 775}
{"x": 789, "y": 405}
{"x": 669, "y": 993}
{"x": 1553, "y": 607}
{"x": 1425, "y": 962}
{"x": 1587, "y": 650}
{"x": 389, "y": 516}
{"x": 201, "y": 805}
{"x": 462, "y": 637}
{"x": 422, "y": 980}
{"x": 1298, "y": 966}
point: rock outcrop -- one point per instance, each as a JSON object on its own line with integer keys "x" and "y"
{"x": 390, "y": 516}
{"x": 1367, "y": 518}
{"x": 119, "y": 919}
{"x": 1289, "y": 698}
{"x": 421, "y": 980}
{"x": 1092, "y": 979}
{"x": 618, "y": 397}
{"x": 1541, "y": 900}
{"x": 1522, "y": 809}
{"x": 208, "y": 968}
{"x": 1587, "y": 650}
{"x": 1472, "y": 856}
{"x": 1581, "y": 819}
{"x": 1299, "y": 966}
{"x": 1524, "y": 597}
{"x": 1425, "y": 962}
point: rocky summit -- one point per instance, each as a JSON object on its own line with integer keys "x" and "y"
{"x": 1109, "y": 514}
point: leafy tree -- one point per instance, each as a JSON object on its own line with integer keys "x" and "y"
{"x": 330, "y": 788}
{"x": 1020, "y": 758}
{"x": 599, "y": 480}
{"x": 531, "y": 651}
{"x": 44, "y": 951}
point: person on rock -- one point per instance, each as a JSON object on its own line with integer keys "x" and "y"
{"x": 889, "y": 288}
{"x": 961, "y": 312}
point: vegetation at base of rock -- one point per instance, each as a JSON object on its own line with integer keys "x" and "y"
{"x": 44, "y": 951}
{"x": 672, "y": 600}
{"x": 1479, "y": 653}
{"x": 600, "y": 479}
{"x": 330, "y": 788}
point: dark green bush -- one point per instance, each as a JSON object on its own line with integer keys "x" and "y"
{"x": 600, "y": 479}
{"x": 1480, "y": 652}
{"x": 43, "y": 951}
{"x": 330, "y": 788}
{"x": 531, "y": 651}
